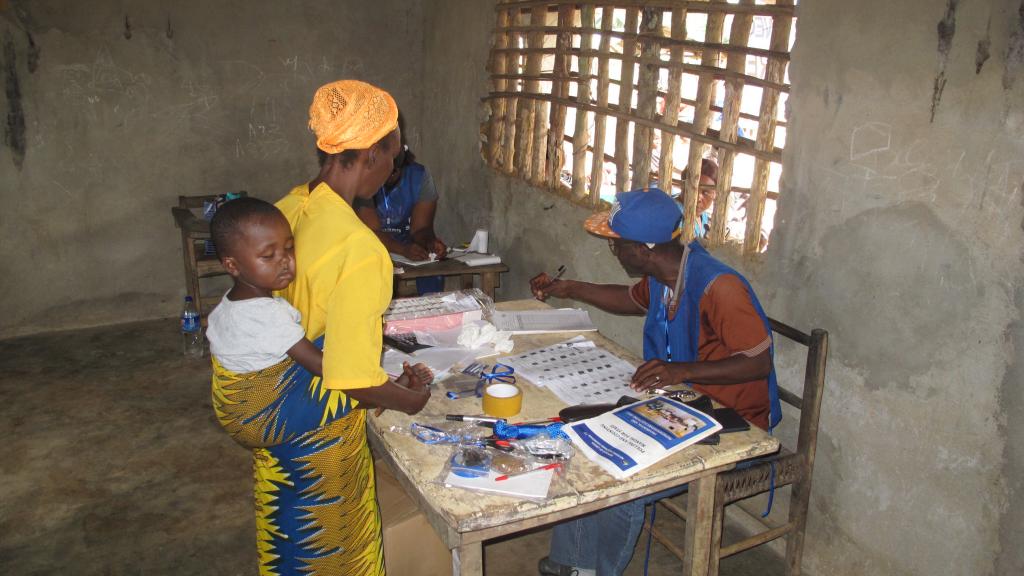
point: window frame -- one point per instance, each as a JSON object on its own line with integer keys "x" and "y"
{"x": 525, "y": 133}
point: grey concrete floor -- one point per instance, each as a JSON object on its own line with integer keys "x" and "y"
{"x": 115, "y": 465}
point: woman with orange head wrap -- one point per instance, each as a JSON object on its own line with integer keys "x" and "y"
{"x": 316, "y": 509}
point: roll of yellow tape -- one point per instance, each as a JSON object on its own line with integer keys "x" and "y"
{"x": 502, "y": 400}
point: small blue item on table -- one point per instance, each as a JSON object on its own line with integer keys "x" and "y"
{"x": 501, "y": 373}
{"x": 506, "y": 431}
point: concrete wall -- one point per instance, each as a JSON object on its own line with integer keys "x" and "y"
{"x": 899, "y": 228}
{"x": 903, "y": 226}
{"x": 115, "y": 108}
{"x": 899, "y": 231}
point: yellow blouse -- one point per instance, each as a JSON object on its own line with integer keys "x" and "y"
{"x": 342, "y": 285}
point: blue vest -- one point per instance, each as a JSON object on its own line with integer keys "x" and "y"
{"x": 677, "y": 340}
{"x": 394, "y": 205}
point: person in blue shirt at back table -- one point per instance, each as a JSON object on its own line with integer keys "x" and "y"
{"x": 402, "y": 212}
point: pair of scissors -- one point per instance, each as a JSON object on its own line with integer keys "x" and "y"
{"x": 502, "y": 373}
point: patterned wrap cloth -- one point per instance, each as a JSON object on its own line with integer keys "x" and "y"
{"x": 311, "y": 518}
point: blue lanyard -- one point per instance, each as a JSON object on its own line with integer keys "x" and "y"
{"x": 663, "y": 317}
{"x": 390, "y": 219}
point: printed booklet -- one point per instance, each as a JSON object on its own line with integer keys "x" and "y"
{"x": 629, "y": 439}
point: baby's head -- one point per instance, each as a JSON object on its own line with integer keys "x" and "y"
{"x": 254, "y": 243}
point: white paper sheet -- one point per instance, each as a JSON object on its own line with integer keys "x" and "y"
{"x": 534, "y": 484}
{"x": 399, "y": 259}
{"x": 439, "y": 360}
{"x": 544, "y": 321}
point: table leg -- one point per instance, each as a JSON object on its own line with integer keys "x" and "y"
{"x": 468, "y": 560}
{"x": 700, "y": 503}
{"x": 488, "y": 282}
{"x": 405, "y": 288}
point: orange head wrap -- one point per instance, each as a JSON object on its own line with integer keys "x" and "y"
{"x": 351, "y": 115}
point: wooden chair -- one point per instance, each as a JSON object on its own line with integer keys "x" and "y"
{"x": 195, "y": 231}
{"x": 790, "y": 468}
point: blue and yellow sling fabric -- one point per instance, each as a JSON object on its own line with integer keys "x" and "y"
{"x": 315, "y": 505}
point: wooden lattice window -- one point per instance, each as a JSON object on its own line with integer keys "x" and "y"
{"x": 637, "y": 91}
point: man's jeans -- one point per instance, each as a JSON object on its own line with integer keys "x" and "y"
{"x": 604, "y": 540}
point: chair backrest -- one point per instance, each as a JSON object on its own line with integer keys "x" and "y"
{"x": 814, "y": 384}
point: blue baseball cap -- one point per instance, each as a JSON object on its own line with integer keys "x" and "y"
{"x": 646, "y": 215}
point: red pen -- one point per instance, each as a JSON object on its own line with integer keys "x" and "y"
{"x": 536, "y": 422}
{"x": 545, "y": 467}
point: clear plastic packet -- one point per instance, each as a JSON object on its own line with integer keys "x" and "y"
{"x": 481, "y": 297}
{"x": 445, "y": 432}
{"x": 462, "y": 385}
{"x": 546, "y": 447}
{"x": 513, "y": 474}
{"x": 511, "y": 462}
{"x": 439, "y": 304}
{"x": 469, "y": 461}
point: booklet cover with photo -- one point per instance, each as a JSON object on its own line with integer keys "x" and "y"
{"x": 629, "y": 439}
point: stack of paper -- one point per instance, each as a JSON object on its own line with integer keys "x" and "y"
{"x": 431, "y": 313}
{"x": 480, "y": 259}
{"x": 399, "y": 259}
{"x": 474, "y": 258}
{"x": 544, "y": 321}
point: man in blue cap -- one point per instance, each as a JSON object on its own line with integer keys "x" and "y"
{"x": 704, "y": 327}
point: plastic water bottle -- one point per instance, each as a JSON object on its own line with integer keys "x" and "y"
{"x": 191, "y": 330}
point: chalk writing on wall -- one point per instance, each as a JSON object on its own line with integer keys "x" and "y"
{"x": 982, "y": 185}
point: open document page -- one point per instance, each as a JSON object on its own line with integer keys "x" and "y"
{"x": 543, "y": 321}
{"x": 629, "y": 439}
{"x": 578, "y": 371}
{"x": 399, "y": 259}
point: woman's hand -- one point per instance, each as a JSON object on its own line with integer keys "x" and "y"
{"x": 414, "y": 252}
{"x": 438, "y": 247}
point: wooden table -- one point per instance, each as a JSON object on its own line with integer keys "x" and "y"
{"x": 489, "y": 275}
{"x": 198, "y": 265}
{"x": 465, "y": 519}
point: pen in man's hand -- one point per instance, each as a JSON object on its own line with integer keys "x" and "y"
{"x": 558, "y": 274}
